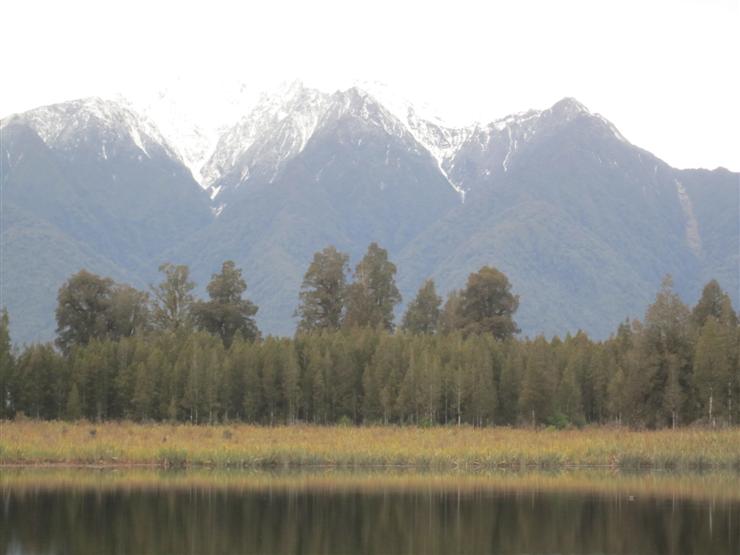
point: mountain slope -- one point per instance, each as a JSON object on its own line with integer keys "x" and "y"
{"x": 584, "y": 223}
{"x": 347, "y": 174}
{"x": 87, "y": 184}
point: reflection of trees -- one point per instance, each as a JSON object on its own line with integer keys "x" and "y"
{"x": 211, "y": 521}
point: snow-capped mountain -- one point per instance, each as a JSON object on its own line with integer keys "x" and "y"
{"x": 191, "y": 125}
{"x": 485, "y": 151}
{"x": 283, "y": 122}
{"x": 280, "y": 127}
{"x": 584, "y": 223}
{"x": 106, "y": 124}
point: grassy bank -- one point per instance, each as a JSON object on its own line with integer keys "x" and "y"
{"x": 35, "y": 443}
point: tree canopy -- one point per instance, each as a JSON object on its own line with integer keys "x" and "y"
{"x": 227, "y": 313}
{"x": 373, "y": 295}
{"x": 322, "y": 296}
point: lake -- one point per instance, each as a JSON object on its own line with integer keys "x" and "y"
{"x": 84, "y": 511}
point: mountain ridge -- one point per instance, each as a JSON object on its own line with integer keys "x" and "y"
{"x": 584, "y": 222}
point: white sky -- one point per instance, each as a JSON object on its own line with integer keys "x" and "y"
{"x": 665, "y": 73}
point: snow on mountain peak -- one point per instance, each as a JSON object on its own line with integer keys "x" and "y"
{"x": 60, "y": 125}
{"x": 279, "y": 127}
{"x": 281, "y": 124}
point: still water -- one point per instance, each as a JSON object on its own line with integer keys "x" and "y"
{"x": 147, "y": 512}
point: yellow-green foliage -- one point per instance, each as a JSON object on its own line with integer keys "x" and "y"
{"x": 37, "y": 442}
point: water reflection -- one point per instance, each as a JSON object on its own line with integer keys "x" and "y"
{"x": 183, "y": 514}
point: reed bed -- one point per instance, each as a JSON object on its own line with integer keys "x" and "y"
{"x": 244, "y": 446}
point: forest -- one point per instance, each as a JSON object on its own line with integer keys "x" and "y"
{"x": 164, "y": 355}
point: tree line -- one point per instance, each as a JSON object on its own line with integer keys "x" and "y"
{"x": 121, "y": 353}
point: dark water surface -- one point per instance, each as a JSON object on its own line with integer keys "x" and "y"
{"x": 161, "y": 516}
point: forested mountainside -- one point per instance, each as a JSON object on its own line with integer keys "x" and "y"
{"x": 584, "y": 223}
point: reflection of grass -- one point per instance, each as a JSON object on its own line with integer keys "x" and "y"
{"x": 31, "y": 442}
{"x": 715, "y": 486}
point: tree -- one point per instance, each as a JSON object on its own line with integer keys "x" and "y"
{"x": 322, "y": 291}
{"x": 128, "y": 311}
{"x": 487, "y": 304}
{"x": 535, "y": 396}
{"x": 450, "y": 318}
{"x": 479, "y": 370}
{"x": 666, "y": 356}
{"x": 172, "y": 298}
{"x": 568, "y": 395}
{"x": 373, "y": 294}
{"x": 227, "y": 313}
{"x": 509, "y": 384}
{"x": 713, "y": 303}
{"x": 422, "y": 315}
{"x": 616, "y": 398}
{"x": 82, "y": 313}
{"x": 713, "y": 369}
{"x": 36, "y": 385}
{"x": 6, "y": 365}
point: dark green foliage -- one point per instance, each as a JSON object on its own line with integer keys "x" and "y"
{"x": 173, "y": 298}
{"x": 227, "y": 313}
{"x": 450, "y": 318}
{"x": 82, "y": 310}
{"x": 373, "y": 295}
{"x": 665, "y": 372}
{"x": 422, "y": 314}
{"x": 6, "y": 365}
{"x": 92, "y": 307}
{"x": 713, "y": 303}
{"x": 323, "y": 291}
{"x": 487, "y": 304}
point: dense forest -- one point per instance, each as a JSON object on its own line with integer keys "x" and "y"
{"x": 122, "y": 353}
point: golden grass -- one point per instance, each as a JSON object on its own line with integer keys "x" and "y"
{"x": 126, "y": 443}
{"x": 713, "y": 486}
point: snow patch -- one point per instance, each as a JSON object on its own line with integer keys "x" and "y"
{"x": 693, "y": 237}
{"x": 61, "y": 126}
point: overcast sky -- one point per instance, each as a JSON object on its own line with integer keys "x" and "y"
{"x": 666, "y": 73}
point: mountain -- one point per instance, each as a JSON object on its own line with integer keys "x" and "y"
{"x": 310, "y": 170}
{"x": 87, "y": 183}
{"x": 583, "y": 222}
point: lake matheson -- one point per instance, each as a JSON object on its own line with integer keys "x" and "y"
{"x": 90, "y": 512}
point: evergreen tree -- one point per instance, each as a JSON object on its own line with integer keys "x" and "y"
{"x": 36, "y": 381}
{"x": 373, "y": 295}
{"x": 509, "y": 385}
{"x": 227, "y": 313}
{"x": 422, "y": 314}
{"x": 713, "y": 303}
{"x": 714, "y": 369}
{"x": 487, "y": 304}
{"x": 568, "y": 398}
{"x": 82, "y": 313}
{"x": 666, "y": 355}
{"x": 6, "y": 366}
{"x": 450, "y": 318}
{"x": 128, "y": 311}
{"x": 535, "y": 396}
{"x": 322, "y": 292}
{"x": 479, "y": 367}
{"x": 173, "y": 298}
{"x": 616, "y": 396}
